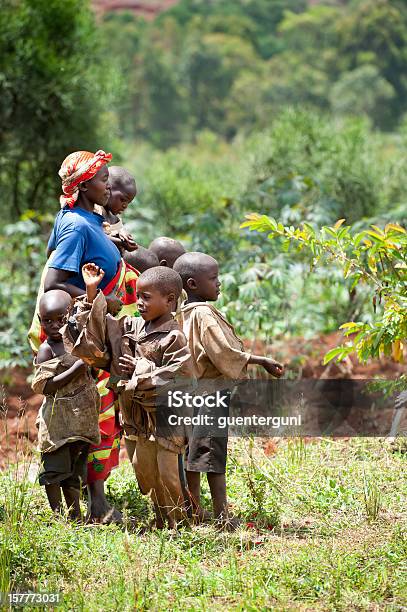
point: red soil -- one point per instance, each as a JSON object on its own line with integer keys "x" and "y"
{"x": 145, "y": 8}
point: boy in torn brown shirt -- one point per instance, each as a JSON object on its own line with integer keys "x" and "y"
{"x": 146, "y": 356}
{"x": 217, "y": 353}
{"x": 68, "y": 420}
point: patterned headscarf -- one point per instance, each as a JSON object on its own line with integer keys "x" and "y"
{"x": 76, "y": 168}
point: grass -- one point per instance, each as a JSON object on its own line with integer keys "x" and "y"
{"x": 324, "y": 528}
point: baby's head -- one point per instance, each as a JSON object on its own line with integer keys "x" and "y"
{"x": 200, "y": 275}
{"x": 157, "y": 290}
{"x": 123, "y": 190}
{"x": 53, "y": 309}
{"x": 167, "y": 250}
{"x": 141, "y": 259}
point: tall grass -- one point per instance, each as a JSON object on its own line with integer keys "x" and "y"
{"x": 16, "y": 489}
{"x": 372, "y": 497}
{"x": 320, "y": 551}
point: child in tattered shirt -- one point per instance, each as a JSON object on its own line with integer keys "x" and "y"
{"x": 217, "y": 353}
{"x": 68, "y": 419}
{"x": 145, "y": 356}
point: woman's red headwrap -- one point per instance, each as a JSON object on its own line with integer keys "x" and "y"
{"x": 76, "y": 168}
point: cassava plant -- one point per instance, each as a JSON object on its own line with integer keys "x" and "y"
{"x": 373, "y": 258}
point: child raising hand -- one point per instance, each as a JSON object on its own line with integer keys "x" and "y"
{"x": 145, "y": 356}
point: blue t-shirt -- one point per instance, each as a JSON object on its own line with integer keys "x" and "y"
{"x": 78, "y": 238}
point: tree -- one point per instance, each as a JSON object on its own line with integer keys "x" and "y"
{"x": 375, "y": 32}
{"x": 52, "y": 84}
{"x": 363, "y": 91}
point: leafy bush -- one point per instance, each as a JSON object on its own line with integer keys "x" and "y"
{"x": 22, "y": 257}
{"x": 373, "y": 257}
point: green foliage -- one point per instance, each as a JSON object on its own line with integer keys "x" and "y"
{"x": 374, "y": 257}
{"x": 363, "y": 92}
{"x": 231, "y": 66}
{"x": 375, "y": 32}
{"x": 52, "y": 94}
{"x": 315, "y": 168}
{"x": 22, "y": 257}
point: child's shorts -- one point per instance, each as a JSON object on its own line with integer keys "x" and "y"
{"x": 207, "y": 447}
{"x": 66, "y": 466}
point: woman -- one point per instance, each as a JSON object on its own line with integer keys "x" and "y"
{"x": 78, "y": 237}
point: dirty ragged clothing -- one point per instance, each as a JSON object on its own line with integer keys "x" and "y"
{"x": 218, "y": 358}
{"x": 215, "y": 349}
{"x": 163, "y": 364}
{"x": 72, "y": 413}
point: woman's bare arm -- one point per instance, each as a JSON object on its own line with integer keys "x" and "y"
{"x": 59, "y": 279}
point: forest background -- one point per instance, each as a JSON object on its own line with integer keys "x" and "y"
{"x": 220, "y": 108}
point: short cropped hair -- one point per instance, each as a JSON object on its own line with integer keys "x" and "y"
{"x": 167, "y": 248}
{"x": 142, "y": 259}
{"x": 56, "y": 298}
{"x": 192, "y": 264}
{"x": 165, "y": 279}
{"x": 122, "y": 179}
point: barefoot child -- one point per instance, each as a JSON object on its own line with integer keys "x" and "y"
{"x": 68, "y": 420}
{"x": 216, "y": 353}
{"x": 144, "y": 355}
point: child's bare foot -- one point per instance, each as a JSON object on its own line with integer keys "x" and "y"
{"x": 227, "y": 523}
{"x": 114, "y": 516}
{"x": 104, "y": 514}
{"x": 99, "y": 510}
{"x": 200, "y": 515}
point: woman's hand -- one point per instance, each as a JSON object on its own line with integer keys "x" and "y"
{"x": 127, "y": 364}
{"x": 92, "y": 276}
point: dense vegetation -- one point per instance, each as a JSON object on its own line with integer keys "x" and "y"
{"x": 220, "y": 109}
{"x": 289, "y": 111}
{"x": 230, "y": 66}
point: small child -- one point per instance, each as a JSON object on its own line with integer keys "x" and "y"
{"x": 167, "y": 250}
{"x": 123, "y": 190}
{"x": 141, "y": 259}
{"x": 216, "y": 353}
{"x": 144, "y": 355}
{"x": 68, "y": 420}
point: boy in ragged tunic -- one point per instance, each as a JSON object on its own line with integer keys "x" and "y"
{"x": 145, "y": 356}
